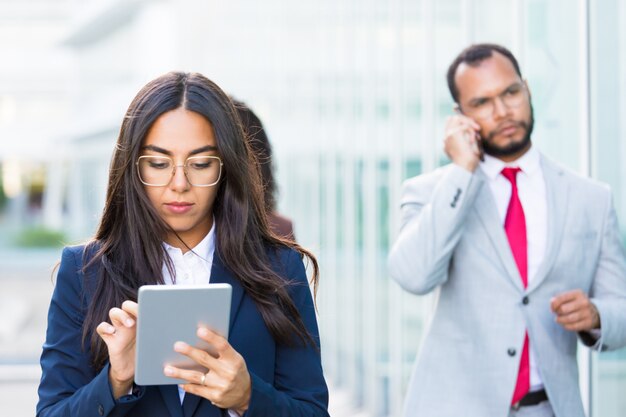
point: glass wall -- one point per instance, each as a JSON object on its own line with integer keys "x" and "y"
{"x": 379, "y": 120}
{"x": 608, "y": 134}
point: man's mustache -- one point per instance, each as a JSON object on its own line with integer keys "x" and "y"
{"x": 505, "y": 125}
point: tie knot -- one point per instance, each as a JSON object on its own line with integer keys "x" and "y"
{"x": 511, "y": 174}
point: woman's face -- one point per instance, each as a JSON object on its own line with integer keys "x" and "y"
{"x": 188, "y": 209}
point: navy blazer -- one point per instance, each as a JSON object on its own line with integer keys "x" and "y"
{"x": 286, "y": 381}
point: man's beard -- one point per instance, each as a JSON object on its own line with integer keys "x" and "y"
{"x": 514, "y": 147}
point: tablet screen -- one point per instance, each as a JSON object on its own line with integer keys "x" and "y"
{"x": 171, "y": 313}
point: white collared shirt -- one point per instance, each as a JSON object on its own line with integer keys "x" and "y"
{"x": 192, "y": 268}
{"x": 532, "y": 194}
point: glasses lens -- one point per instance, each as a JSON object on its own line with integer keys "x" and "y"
{"x": 514, "y": 96}
{"x": 203, "y": 170}
{"x": 155, "y": 170}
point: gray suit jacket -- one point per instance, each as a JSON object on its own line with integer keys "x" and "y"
{"x": 453, "y": 242}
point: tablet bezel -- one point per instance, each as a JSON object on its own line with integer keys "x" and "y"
{"x": 159, "y": 327}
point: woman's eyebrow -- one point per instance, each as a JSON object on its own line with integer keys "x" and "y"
{"x": 208, "y": 148}
{"x": 158, "y": 149}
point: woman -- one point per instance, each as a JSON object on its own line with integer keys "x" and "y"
{"x": 260, "y": 145}
{"x": 184, "y": 205}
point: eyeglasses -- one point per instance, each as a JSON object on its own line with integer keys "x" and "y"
{"x": 483, "y": 108}
{"x": 200, "y": 171}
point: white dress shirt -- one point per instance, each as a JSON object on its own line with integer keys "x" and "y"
{"x": 532, "y": 194}
{"x": 192, "y": 268}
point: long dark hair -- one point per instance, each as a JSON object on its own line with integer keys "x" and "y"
{"x": 128, "y": 243}
{"x": 261, "y": 147}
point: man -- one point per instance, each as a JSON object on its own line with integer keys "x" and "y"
{"x": 524, "y": 257}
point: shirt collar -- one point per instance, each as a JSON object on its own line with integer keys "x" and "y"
{"x": 529, "y": 164}
{"x": 204, "y": 249}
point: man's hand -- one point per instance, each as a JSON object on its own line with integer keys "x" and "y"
{"x": 460, "y": 141}
{"x": 575, "y": 312}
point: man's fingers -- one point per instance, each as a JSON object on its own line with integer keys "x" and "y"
{"x": 571, "y": 318}
{"x": 575, "y": 324}
{"x": 572, "y": 306}
{"x": 574, "y": 311}
{"x": 563, "y": 298}
{"x": 455, "y": 128}
{"x": 460, "y": 118}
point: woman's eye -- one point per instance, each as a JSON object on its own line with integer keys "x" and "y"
{"x": 159, "y": 164}
{"x": 200, "y": 165}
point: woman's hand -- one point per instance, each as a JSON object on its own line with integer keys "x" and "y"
{"x": 227, "y": 384}
{"x": 119, "y": 336}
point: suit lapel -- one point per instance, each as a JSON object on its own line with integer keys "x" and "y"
{"x": 191, "y": 403}
{"x": 172, "y": 400}
{"x": 485, "y": 207}
{"x": 220, "y": 274}
{"x": 557, "y": 194}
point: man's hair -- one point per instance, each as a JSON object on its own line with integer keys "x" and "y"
{"x": 473, "y": 55}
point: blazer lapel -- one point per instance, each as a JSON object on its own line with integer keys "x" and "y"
{"x": 485, "y": 207}
{"x": 190, "y": 406}
{"x": 220, "y": 274}
{"x": 172, "y": 400}
{"x": 557, "y": 194}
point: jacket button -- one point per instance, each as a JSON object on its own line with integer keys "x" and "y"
{"x": 511, "y": 352}
{"x": 525, "y": 300}
{"x": 100, "y": 409}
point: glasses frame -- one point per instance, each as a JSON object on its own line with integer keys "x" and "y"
{"x": 183, "y": 166}
{"x": 470, "y": 111}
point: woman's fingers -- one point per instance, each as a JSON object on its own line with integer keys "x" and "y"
{"x": 120, "y": 318}
{"x": 216, "y": 340}
{"x": 227, "y": 383}
{"x": 105, "y": 329}
{"x": 194, "y": 377}
{"x": 199, "y": 356}
{"x": 131, "y": 308}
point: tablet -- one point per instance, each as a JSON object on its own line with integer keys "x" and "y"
{"x": 169, "y": 313}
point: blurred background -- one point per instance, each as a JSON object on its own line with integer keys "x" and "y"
{"x": 353, "y": 96}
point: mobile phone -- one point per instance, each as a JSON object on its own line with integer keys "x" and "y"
{"x": 478, "y": 140}
{"x": 478, "y": 143}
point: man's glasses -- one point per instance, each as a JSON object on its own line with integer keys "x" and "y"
{"x": 201, "y": 171}
{"x": 484, "y": 107}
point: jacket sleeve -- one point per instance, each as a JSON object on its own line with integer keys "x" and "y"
{"x": 433, "y": 213}
{"x": 69, "y": 385}
{"x": 608, "y": 291}
{"x": 299, "y": 388}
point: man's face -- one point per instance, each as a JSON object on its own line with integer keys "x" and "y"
{"x": 494, "y": 95}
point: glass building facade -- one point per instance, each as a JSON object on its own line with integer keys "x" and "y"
{"x": 374, "y": 88}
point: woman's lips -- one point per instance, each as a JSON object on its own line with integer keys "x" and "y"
{"x": 178, "y": 207}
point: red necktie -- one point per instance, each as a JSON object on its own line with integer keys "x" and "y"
{"x": 515, "y": 227}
